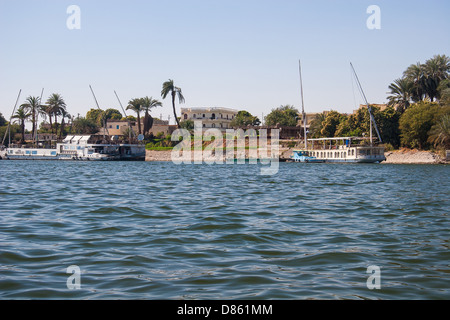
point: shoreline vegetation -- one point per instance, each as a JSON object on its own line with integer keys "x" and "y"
{"x": 417, "y": 117}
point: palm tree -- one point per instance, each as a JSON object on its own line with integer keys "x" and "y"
{"x": 136, "y": 106}
{"x": 401, "y": 93}
{"x": 436, "y": 70}
{"x": 147, "y": 105}
{"x": 33, "y": 105}
{"x": 64, "y": 115}
{"x": 416, "y": 74}
{"x": 22, "y": 114}
{"x": 440, "y": 132}
{"x": 169, "y": 87}
{"x": 56, "y": 105}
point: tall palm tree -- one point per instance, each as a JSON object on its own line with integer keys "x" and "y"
{"x": 33, "y": 105}
{"x": 436, "y": 70}
{"x": 416, "y": 74}
{"x": 22, "y": 114}
{"x": 401, "y": 93}
{"x": 147, "y": 105}
{"x": 56, "y": 105}
{"x": 136, "y": 106}
{"x": 64, "y": 115}
{"x": 169, "y": 87}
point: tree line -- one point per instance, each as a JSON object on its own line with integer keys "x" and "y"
{"x": 417, "y": 114}
{"x": 54, "y": 109}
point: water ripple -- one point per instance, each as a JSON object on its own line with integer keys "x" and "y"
{"x": 161, "y": 231}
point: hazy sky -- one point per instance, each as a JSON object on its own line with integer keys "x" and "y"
{"x": 240, "y": 54}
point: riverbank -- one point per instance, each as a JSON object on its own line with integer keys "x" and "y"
{"x": 392, "y": 157}
{"x": 412, "y": 157}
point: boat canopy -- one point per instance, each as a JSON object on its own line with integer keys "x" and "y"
{"x": 68, "y": 139}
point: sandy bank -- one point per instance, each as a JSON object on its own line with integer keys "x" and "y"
{"x": 412, "y": 157}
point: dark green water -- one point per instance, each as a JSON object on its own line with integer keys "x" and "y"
{"x": 162, "y": 231}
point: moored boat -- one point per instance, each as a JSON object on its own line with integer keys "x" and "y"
{"x": 80, "y": 148}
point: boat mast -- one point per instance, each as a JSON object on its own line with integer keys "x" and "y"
{"x": 372, "y": 119}
{"x": 104, "y": 120}
{"x": 131, "y": 131}
{"x": 37, "y": 115}
{"x": 8, "y": 131}
{"x": 303, "y": 104}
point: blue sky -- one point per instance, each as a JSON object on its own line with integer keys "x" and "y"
{"x": 240, "y": 54}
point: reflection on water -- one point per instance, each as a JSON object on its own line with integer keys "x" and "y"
{"x": 161, "y": 231}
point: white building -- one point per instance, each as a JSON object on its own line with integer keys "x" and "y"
{"x": 211, "y": 117}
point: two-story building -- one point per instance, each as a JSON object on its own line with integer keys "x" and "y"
{"x": 219, "y": 118}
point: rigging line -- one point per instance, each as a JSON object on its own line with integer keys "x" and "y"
{"x": 129, "y": 123}
{"x": 104, "y": 121}
{"x": 353, "y": 90}
{"x": 368, "y": 105}
{"x": 303, "y": 104}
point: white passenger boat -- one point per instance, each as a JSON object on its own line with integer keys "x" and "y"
{"x": 340, "y": 149}
{"x": 80, "y": 148}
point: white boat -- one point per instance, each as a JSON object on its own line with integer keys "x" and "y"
{"x": 340, "y": 149}
{"x": 80, "y": 148}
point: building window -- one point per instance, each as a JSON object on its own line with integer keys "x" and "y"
{"x": 204, "y": 115}
{"x": 213, "y": 116}
{"x": 185, "y": 116}
{"x": 213, "y": 125}
{"x": 118, "y": 127}
{"x": 195, "y": 116}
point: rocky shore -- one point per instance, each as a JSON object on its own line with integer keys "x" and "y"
{"x": 412, "y": 157}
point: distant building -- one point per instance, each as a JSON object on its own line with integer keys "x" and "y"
{"x": 42, "y": 137}
{"x": 219, "y": 118}
{"x": 120, "y": 127}
{"x": 382, "y": 106}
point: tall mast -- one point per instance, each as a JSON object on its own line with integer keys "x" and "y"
{"x": 372, "y": 119}
{"x": 104, "y": 120}
{"x": 303, "y": 104}
{"x": 131, "y": 132}
{"x": 37, "y": 116}
{"x": 8, "y": 131}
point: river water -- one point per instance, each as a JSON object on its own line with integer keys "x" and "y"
{"x": 155, "y": 230}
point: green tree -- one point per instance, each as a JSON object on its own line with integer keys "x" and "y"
{"x": 331, "y": 123}
{"x": 416, "y": 122}
{"x": 388, "y": 124}
{"x": 95, "y": 116}
{"x": 149, "y": 103}
{"x": 56, "y": 106}
{"x": 315, "y": 127}
{"x": 2, "y": 120}
{"x": 415, "y": 73}
{"x": 170, "y": 88}
{"x": 439, "y": 134}
{"x": 22, "y": 114}
{"x": 83, "y": 125}
{"x": 33, "y": 105}
{"x": 187, "y": 124}
{"x": 136, "y": 106}
{"x": 427, "y": 77}
{"x": 284, "y": 116}
{"x": 401, "y": 91}
{"x": 64, "y": 115}
{"x": 244, "y": 119}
